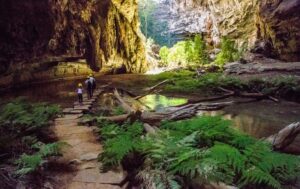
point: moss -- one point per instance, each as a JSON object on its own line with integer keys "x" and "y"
{"x": 185, "y": 81}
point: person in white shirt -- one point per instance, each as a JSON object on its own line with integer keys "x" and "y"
{"x": 80, "y": 93}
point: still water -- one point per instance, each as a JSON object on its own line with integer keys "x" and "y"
{"x": 259, "y": 119}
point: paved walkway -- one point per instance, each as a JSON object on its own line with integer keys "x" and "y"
{"x": 83, "y": 150}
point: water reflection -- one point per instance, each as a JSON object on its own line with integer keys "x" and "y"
{"x": 158, "y": 102}
{"x": 260, "y": 119}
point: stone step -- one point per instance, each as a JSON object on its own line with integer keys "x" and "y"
{"x": 75, "y": 112}
{"x": 67, "y": 110}
{"x": 82, "y": 104}
{"x": 89, "y": 100}
{"x": 68, "y": 117}
{"x": 83, "y": 107}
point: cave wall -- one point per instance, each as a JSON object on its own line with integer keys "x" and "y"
{"x": 279, "y": 25}
{"x": 37, "y": 34}
{"x": 270, "y": 27}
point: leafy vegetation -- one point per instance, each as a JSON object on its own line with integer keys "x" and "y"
{"x": 202, "y": 150}
{"x": 185, "y": 81}
{"x": 118, "y": 111}
{"x": 29, "y": 163}
{"x": 229, "y": 52}
{"x": 119, "y": 141}
{"x": 22, "y": 127}
{"x": 185, "y": 53}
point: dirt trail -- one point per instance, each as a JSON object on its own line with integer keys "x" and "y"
{"x": 82, "y": 151}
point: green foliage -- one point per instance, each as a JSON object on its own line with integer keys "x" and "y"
{"x": 185, "y": 53}
{"x": 200, "y": 54}
{"x": 29, "y": 163}
{"x": 20, "y": 116}
{"x": 118, "y": 111}
{"x": 119, "y": 141}
{"x": 206, "y": 149}
{"x": 186, "y": 81}
{"x": 178, "y": 75}
{"x": 207, "y": 81}
{"x": 21, "y": 125}
{"x": 229, "y": 52}
{"x": 177, "y": 54}
{"x": 164, "y": 53}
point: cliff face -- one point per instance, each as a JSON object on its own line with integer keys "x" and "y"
{"x": 39, "y": 34}
{"x": 271, "y": 27}
{"x": 279, "y": 25}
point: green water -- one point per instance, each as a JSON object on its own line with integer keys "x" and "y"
{"x": 158, "y": 102}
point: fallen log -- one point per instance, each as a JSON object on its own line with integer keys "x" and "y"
{"x": 257, "y": 95}
{"x": 151, "y": 89}
{"x": 122, "y": 102}
{"x": 171, "y": 114}
{"x": 281, "y": 140}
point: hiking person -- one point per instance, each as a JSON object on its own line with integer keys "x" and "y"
{"x": 89, "y": 87}
{"x": 79, "y": 93}
{"x": 93, "y": 81}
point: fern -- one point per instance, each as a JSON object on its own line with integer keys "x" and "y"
{"x": 256, "y": 176}
{"x": 110, "y": 131}
{"x": 226, "y": 154}
{"x": 29, "y": 163}
{"x": 205, "y": 148}
{"x": 115, "y": 150}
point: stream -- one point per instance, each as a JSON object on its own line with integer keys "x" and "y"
{"x": 259, "y": 119}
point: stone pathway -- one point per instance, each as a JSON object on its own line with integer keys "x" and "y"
{"x": 82, "y": 151}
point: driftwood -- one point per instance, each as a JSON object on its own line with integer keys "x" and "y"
{"x": 257, "y": 95}
{"x": 171, "y": 114}
{"x": 122, "y": 102}
{"x": 227, "y": 95}
{"x": 151, "y": 89}
{"x": 285, "y": 137}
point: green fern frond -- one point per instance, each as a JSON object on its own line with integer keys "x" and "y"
{"x": 28, "y": 163}
{"x": 255, "y": 176}
{"x": 226, "y": 154}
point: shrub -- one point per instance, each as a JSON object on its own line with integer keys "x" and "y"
{"x": 164, "y": 53}
{"x": 229, "y": 52}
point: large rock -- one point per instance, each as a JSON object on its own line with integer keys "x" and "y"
{"x": 44, "y": 32}
{"x": 270, "y": 27}
{"x": 279, "y": 24}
